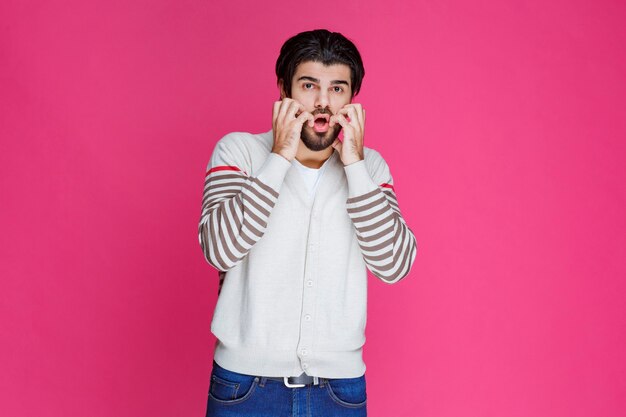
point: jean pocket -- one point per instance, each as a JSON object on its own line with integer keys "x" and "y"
{"x": 229, "y": 391}
{"x": 348, "y": 392}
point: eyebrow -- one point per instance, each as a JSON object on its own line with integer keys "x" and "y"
{"x": 315, "y": 80}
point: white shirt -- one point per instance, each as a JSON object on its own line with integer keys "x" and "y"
{"x": 310, "y": 176}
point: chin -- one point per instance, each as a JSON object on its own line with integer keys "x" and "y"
{"x": 319, "y": 141}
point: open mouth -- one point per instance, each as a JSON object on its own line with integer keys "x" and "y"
{"x": 321, "y": 123}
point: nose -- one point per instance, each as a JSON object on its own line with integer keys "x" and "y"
{"x": 321, "y": 101}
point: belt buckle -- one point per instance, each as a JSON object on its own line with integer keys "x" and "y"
{"x": 286, "y": 379}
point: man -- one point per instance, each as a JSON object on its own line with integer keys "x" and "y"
{"x": 292, "y": 219}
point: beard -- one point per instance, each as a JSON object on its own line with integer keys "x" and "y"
{"x": 318, "y": 141}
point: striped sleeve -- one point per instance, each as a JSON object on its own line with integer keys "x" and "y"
{"x": 388, "y": 245}
{"x": 236, "y": 206}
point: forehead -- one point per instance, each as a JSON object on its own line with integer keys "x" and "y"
{"x": 323, "y": 72}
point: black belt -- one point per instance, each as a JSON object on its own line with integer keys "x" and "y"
{"x": 296, "y": 381}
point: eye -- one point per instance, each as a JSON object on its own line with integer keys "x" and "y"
{"x": 338, "y": 89}
{"x": 308, "y": 86}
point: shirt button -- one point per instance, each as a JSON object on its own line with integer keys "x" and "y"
{"x": 309, "y": 283}
{"x": 307, "y": 317}
{"x": 305, "y": 352}
{"x": 305, "y": 365}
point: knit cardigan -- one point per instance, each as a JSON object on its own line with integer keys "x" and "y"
{"x": 292, "y": 268}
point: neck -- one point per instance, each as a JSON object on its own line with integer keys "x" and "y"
{"x": 313, "y": 159}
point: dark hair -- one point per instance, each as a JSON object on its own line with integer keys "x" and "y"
{"x": 323, "y": 46}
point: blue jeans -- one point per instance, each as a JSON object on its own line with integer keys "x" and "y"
{"x": 233, "y": 394}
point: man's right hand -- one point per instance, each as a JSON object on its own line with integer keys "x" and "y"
{"x": 287, "y": 126}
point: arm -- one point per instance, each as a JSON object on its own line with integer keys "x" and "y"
{"x": 235, "y": 206}
{"x": 388, "y": 245}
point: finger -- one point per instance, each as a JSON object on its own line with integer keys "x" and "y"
{"x": 333, "y": 119}
{"x": 275, "y": 113}
{"x": 358, "y": 109}
{"x": 304, "y": 116}
{"x": 284, "y": 106}
{"x": 294, "y": 108}
{"x": 352, "y": 116}
{"x": 339, "y": 118}
{"x": 300, "y": 107}
{"x": 343, "y": 110}
{"x": 360, "y": 114}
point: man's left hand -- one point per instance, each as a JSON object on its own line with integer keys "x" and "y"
{"x": 351, "y": 149}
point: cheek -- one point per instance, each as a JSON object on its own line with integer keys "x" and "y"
{"x": 303, "y": 100}
{"x": 338, "y": 104}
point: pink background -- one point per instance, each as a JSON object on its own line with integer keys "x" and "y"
{"x": 503, "y": 124}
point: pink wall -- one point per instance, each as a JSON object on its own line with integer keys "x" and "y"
{"x": 504, "y": 127}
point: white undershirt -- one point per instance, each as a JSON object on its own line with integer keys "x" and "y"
{"x": 310, "y": 176}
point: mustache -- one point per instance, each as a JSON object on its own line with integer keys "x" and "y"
{"x": 322, "y": 111}
{"x": 316, "y": 112}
